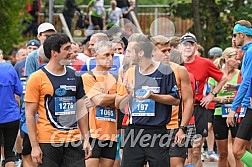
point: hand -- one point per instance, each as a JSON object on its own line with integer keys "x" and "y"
{"x": 87, "y": 148}
{"x": 251, "y": 102}
{"x": 230, "y": 119}
{"x": 146, "y": 96}
{"x": 88, "y": 102}
{"x": 206, "y": 100}
{"x": 223, "y": 100}
{"x": 179, "y": 137}
{"x": 129, "y": 87}
{"x": 229, "y": 87}
{"x": 36, "y": 155}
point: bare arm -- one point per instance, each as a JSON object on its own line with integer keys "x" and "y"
{"x": 104, "y": 100}
{"x": 164, "y": 99}
{"x": 82, "y": 115}
{"x": 30, "y": 113}
{"x": 187, "y": 96}
{"x": 209, "y": 98}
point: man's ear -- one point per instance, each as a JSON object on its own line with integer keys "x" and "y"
{"x": 141, "y": 53}
{"x": 95, "y": 54}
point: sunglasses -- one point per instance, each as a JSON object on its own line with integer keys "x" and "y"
{"x": 234, "y": 35}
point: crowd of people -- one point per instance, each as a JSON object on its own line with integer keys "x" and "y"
{"x": 126, "y": 100}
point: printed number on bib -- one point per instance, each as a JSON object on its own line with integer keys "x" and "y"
{"x": 65, "y": 105}
{"x": 106, "y": 114}
{"x": 143, "y": 107}
{"x": 226, "y": 108}
{"x": 243, "y": 112}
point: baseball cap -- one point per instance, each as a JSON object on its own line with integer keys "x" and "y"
{"x": 33, "y": 42}
{"x": 188, "y": 37}
{"x": 215, "y": 51}
{"x": 45, "y": 27}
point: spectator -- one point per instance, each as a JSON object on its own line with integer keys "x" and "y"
{"x": 113, "y": 15}
{"x": 98, "y": 13}
{"x": 68, "y": 11}
{"x": 33, "y": 9}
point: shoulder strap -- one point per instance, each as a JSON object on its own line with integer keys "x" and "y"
{"x": 91, "y": 73}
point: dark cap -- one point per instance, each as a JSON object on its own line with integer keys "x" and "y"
{"x": 188, "y": 37}
{"x": 33, "y": 42}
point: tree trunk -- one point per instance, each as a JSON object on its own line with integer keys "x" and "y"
{"x": 196, "y": 20}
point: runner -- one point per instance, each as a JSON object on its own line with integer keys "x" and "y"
{"x": 230, "y": 69}
{"x": 100, "y": 87}
{"x": 207, "y": 69}
{"x": 10, "y": 86}
{"x": 55, "y": 93}
{"x": 242, "y": 33}
{"x": 150, "y": 89}
{"x": 180, "y": 119}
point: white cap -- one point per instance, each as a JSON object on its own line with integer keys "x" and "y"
{"x": 45, "y": 27}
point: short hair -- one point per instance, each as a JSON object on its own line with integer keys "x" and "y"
{"x": 200, "y": 49}
{"x": 41, "y": 54}
{"x": 174, "y": 42}
{"x": 100, "y": 37}
{"x": 117, "y": 40}
{"x": 142, "y": 44}
{"x": 54, "y": 42}
{"x": 244, "y": 23}
{"x": 102, "y": 44}
{"x": 160, "y": 40}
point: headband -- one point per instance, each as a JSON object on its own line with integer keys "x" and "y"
{"x": 243, "y": 29}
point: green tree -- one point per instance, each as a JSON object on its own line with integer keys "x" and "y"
{"x": 9, "y": 23}
{"x": 213, "y": 19}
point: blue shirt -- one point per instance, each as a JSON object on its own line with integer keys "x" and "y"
{"x": 242, "y": 96}
{"x": 9, "y": 85}
{"x": 91, "y": 64}
{"x": 31, "y": 64}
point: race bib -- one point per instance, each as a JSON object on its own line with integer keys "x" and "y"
{"x": 226, "y": 108}
{"x": 23, "y": 83}
{"x": 143, "y": 107}
{"x": 105, "y": 113}
{"x": 243, "y": 112}
{"x": 65, "y": 105}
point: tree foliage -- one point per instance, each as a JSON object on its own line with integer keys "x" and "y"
{"x": 9, "y": 23}
{"x": 215, "y": 18}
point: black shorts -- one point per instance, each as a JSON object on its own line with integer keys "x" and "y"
{"x": 138, "y": 147}
{"x": 245, "y": 128}
{"x": 200, "y": 115}
{"x": 103, "y": 148}
{"x": 220, "y": 128}
{"x": 174, "y": 149}
{"x": 66, "y": 154}
{"x": 26, "y": 144}
{"x": 210, "y": 115}
{"x": 97, "y": 21}
{"x": 9, "y": 131}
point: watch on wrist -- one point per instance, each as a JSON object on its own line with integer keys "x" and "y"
{"x": 183, "y": 128}
{"x": 213, "y": 93}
